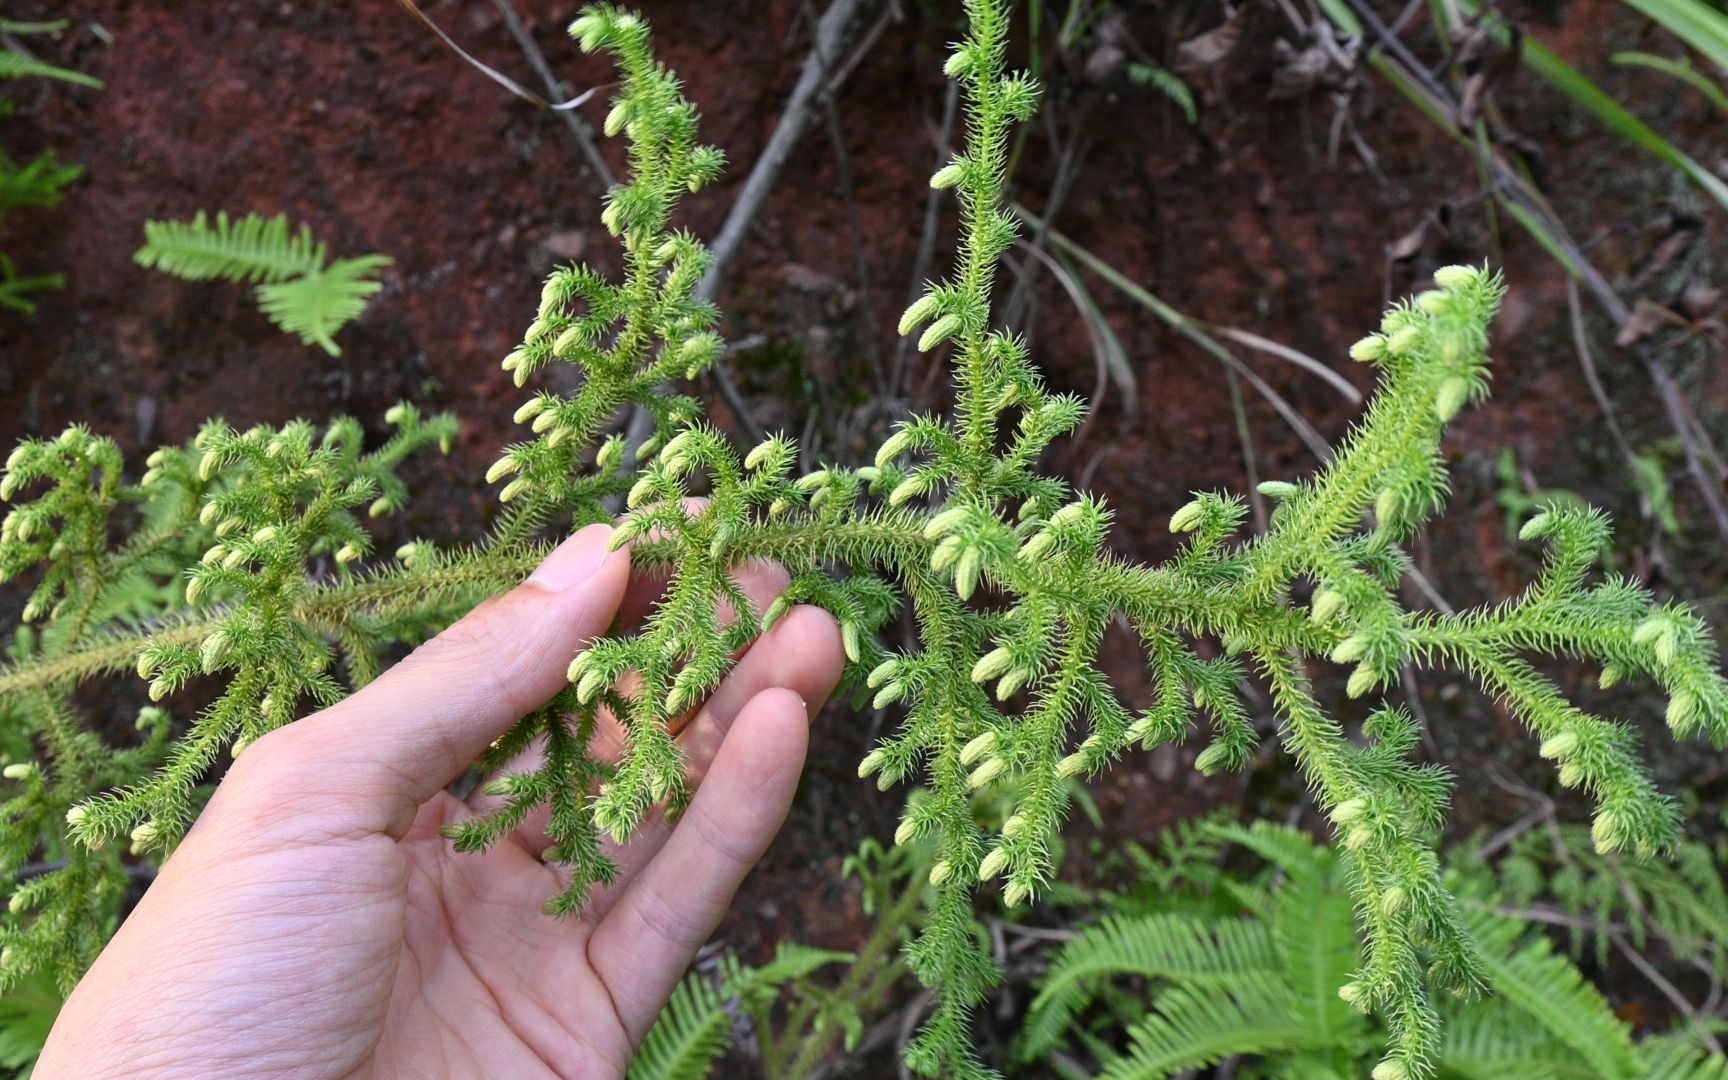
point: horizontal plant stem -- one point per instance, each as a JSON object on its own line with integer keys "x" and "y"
{"x": 330, "y": 604}
{"x": 109, "y": 656}
{"x": 1153, "y": 595}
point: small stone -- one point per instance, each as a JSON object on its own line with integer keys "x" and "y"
{"x": 563, "y": 245}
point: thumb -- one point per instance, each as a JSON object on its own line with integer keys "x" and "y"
{"x": 403, "y": 737}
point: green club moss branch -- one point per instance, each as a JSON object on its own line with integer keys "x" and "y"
{"x": 332, "y": 605}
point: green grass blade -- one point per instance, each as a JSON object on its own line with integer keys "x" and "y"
{"x": 1679, "y": 69}
{"x": 1701, "y": 25}
{"x": 1697, "y": 24}
{"x": 1574, "y": 84}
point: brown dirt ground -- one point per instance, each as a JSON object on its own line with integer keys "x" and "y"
{"x": 352, "y": 119}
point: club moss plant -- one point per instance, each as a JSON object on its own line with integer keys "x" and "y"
{"x": 241, "y": 561}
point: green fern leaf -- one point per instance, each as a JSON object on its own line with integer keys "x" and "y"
{"x": 1315, "y": 932}
{"x": 1486, "y": 1041}
{"x": 1290, "y": 850}
{"x": 1194, "y": 952}
{"x": 13, "y": 287}
{"x": 695, "y": 1027}
{"x": 1678, "y": 1057}
{"x": 691, "y": 1033}
{"x": 295, "y": 289}
{"x": 791, "y": 961}
{"x": 16, "y": 65}
{"x": 314, "y": 307}
{"x": 1554, "y": 994}
{"x": 253, "y": 249}
{"x": 1193, "y": 1027}
{"x": 37, "y": 184}
{"x": 1167, "y": 83}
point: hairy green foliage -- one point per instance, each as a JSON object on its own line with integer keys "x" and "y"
{"x": 299, "y": 289}
{"x": 229, "y": 556}
{"x": 245, "y": 569}
{"x": 1248, "y": 966}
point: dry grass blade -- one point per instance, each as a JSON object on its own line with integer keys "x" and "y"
{"x": 1301, "y": 359}
{"x": 1244, "y": 338}
{"x": 1193, "y": 329}
{"x": 492, "y": 73}
{"x": 1107, "y": 350}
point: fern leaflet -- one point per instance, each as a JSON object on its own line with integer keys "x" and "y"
{"x": 253, "y": 249}
{"x": 315, "y": 306}
{"x": 296, "y": 290}
{"x": 17, "y": 65}
{"x": 689, "y": 1035}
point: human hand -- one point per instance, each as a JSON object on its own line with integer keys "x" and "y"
{"x": 314, "y": 923}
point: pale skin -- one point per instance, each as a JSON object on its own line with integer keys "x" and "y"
{"x": 314, "y": 923}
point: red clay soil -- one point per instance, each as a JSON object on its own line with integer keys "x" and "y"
{"x": 353, "y": 119}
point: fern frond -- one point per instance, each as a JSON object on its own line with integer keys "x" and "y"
{"x": 14, "y": 288}
{"x": 694, "y": 1029}
{"x": 38, "y": 183}
{"x": 1554, "y": 995}
{"x": 16, "y": 65}
{"x": 296, "y": 291}
{"x": 690, "y": 1034}
{"x": 1193, "y": 1027}
{"x": 1485, "y": 1041}
{"x": 314, "y": 307}
{"x": 791, "y": 962}
{"x": 1193, "y": 952}
{"x": 1683, "y": 899}
{"x": 1170, "y": 85}
{"x": 1291, "y": 850}
{"x": 1315, "y": 932}
{"x": 253, "y": 249}
{"x": 1679, "y": 1057}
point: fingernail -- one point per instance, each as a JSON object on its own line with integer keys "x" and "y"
{"x": 575, "y": 560}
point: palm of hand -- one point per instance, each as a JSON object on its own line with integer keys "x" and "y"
{"x": 485, "y": 984}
